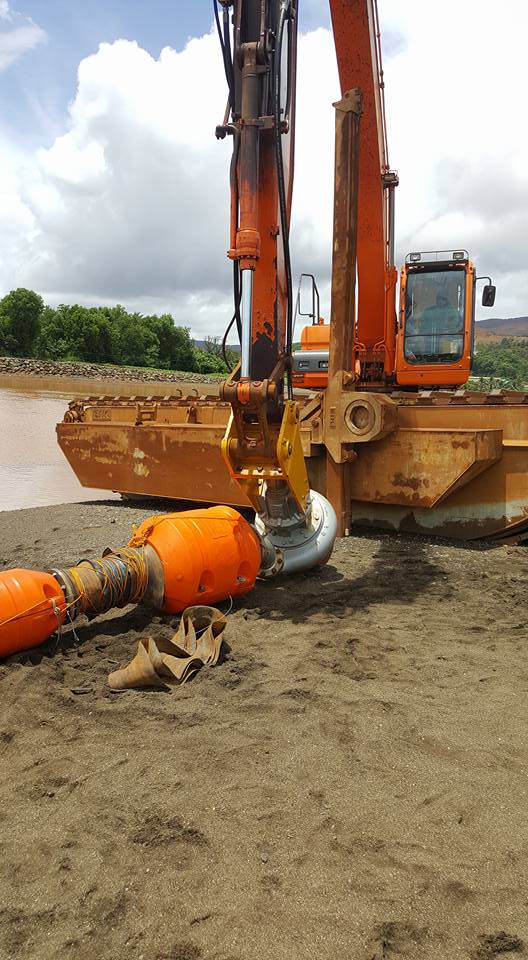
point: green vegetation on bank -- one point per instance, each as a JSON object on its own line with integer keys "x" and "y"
{"x": 111, "y": 335}
{"x": 501, "y": 364}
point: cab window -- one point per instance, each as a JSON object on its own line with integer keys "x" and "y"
{"x": 434, "y": 316}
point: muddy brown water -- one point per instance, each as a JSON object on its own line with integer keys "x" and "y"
{"x": 33, "y": 470}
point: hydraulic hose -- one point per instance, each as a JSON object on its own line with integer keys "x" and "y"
{"x": 230, "y": 73}
{"x": 283, "y": 206}
{"x": 233, "y": 176}
{"x": 237, "y": 291}
{"x": 237, "y": 288}
{"x": 236, "y": 316}
{"x": 225, "y": 46}
{"x": 224, "y": 340}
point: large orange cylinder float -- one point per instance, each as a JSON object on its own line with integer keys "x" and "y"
{"x": 32, "y": 607}
{"x": 173, "y": 561}
{"x": 206, "y": 555}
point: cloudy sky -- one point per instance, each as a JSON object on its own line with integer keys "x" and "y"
{"x": 114, "y": 189}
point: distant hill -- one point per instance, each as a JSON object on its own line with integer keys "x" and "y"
{"x": 486, "y": 336}
{"x": 486, "y": 331}
{"x": 514, "y": 327}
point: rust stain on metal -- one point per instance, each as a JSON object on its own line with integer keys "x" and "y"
{"x": 413, "y": 482}
{"x": 455, "y": 465}
{"x": 403, "y": 499}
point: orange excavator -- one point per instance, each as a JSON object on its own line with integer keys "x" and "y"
{"x": 384, "y": 432}
{"x": 433, "y": 341}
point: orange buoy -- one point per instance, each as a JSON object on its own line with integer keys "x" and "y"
{"x": 207, "y": 555}
{"x": 173, "y": 561}
{"x": 32, "y": 606}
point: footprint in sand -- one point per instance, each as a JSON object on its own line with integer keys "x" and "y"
{"x": 493, "y": 944}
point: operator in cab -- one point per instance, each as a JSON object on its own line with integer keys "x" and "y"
{"x": 441, "y": 318}
{"x": 437, "y": 335}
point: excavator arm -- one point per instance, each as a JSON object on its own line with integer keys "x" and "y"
{"x": 261, "y": 82}
{"x": 262, "y": 445}
{"x": 260, "y": 65}
{"x": 260, "y": 71}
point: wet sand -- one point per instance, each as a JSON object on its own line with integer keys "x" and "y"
{"x": 349, "y": 783}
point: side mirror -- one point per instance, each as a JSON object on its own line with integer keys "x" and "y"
{"x": 488, "y": 295}
{"x": 308, "y": 298}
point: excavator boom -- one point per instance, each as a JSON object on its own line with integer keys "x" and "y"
{"x": 358, "y": 52}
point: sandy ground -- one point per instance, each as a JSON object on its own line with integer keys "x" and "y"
{"x": 350, "y": 783}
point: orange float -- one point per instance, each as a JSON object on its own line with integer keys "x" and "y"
{"x": 32, "y": 607}
{"x": 206, "y": 555}
{"x": 172, "y": 562}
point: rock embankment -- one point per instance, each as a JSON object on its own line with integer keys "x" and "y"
{"x": 24, "y": 367}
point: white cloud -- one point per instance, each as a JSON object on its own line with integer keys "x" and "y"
{"x": 22, "y": 35}
{"x": 454, "y": 99}
{"x": 14, "y": 43}
{"x": 130, "y": 204}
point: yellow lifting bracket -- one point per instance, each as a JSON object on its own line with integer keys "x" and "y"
{"x": 261, "y": 452}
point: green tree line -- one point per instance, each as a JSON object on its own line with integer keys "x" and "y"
{"x": 504, "y": 363}
{"x": 30, "y": 328}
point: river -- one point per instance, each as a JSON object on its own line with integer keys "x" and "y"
{"x": 33, "y": 471}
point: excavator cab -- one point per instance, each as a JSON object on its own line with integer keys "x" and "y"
{"x": 435, "y": 338}
{"x": 436, "y": 319}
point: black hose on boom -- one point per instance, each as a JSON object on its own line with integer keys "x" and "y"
{"x": 225, "y": 45}
{"x": 285, "y": 228}
{"x": 236, "y": 316}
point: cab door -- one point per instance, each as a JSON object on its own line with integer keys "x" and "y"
{"x": 435, "y": 325}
